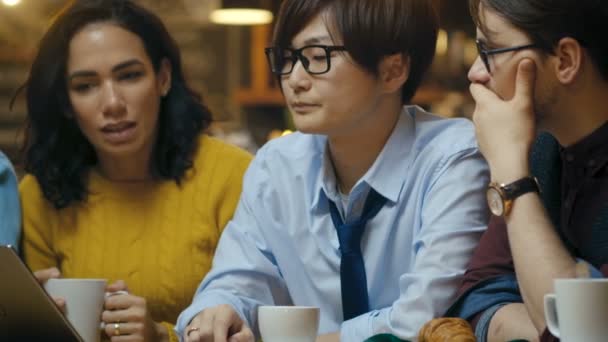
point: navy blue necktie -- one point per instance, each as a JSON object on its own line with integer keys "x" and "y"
{"x": 352, "y": 269}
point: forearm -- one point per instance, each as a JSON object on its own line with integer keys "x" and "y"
{"x": 539, "y": 255}
{"x": 512, "y": 322}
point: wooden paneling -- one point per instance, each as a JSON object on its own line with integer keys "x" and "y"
{"x": 262, "y": 91}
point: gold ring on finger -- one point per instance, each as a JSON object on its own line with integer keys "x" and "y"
{"x": 191, "y": 329}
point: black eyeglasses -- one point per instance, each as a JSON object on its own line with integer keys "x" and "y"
{"x": 316, "y": 59}
{"x": 485, "y": 54}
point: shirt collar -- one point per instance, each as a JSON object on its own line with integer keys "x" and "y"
{"x": 325, "y": 174}
{"x": 326, "y": 183}
{"x": 386, "y": 175}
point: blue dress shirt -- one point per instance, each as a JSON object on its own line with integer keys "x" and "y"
{"x": 10, "y": 208}
{"x": 281, "y": 247}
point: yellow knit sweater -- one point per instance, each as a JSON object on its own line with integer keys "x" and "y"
{"x": 155, "y": 235}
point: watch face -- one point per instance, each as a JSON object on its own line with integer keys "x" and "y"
{"x": 495, "y": 202}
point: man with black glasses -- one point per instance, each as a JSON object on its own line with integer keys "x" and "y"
{"x": 372, "y": 210}
{"x": 540, "y": 86}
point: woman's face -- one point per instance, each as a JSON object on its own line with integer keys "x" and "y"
{"x": 114, "y": 91}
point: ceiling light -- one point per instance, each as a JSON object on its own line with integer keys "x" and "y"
{"x": 11, "y": 2}
{"x": 242, "y": 12}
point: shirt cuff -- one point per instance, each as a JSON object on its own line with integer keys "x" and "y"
{"x": 201, "y": 303}
{"x": 359, "y": 328}
{"x": 593, "y": 272}
{"x": 483, "y": 325}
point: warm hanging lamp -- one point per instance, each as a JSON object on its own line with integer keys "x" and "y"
{"x": 242, "y": 12}
{"x": 11, "y": 3}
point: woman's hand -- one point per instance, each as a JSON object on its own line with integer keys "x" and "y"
{"x": 127, "y": 317}
{"x": 43, "y": 276}
{"x": 219, "y": 323}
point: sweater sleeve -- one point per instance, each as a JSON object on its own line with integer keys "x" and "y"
{"x": 170, "y": 331}
{"x": 38, "y": 221}
{"x": 229, "y": 189}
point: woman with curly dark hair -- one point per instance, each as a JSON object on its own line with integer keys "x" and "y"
{"x": 122, "y": 181}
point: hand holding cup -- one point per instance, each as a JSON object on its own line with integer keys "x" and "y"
{"x": 127, "y": 316}
{"x": 50, "y": 273}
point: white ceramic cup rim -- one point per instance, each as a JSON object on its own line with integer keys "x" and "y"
{"x": 582, "y": 280}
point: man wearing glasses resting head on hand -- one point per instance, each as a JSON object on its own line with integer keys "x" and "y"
{"x": 409, "y": 185}
{"x": 540, "y": 86}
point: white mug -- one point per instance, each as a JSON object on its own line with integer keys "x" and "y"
{"x": 288, "y": 323}
{"x": 578, "y": 311}
{"x": 84, "y": 299}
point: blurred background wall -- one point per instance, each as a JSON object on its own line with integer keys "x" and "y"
{"x": 226, "y": 63}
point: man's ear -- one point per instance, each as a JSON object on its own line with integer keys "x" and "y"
{"x": 570, "y": 55}
{"x": 394, "y": 71}
{"x": 164, "y": 76}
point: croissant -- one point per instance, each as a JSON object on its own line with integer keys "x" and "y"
{"x": 446, "y": 329}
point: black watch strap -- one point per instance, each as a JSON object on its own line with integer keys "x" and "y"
{"x": 520, "y": 187}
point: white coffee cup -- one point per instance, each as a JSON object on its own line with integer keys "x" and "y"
{"x": 288, "y": 323}
{"x": 578, "y": 311}
{"x": 84, "y": 299}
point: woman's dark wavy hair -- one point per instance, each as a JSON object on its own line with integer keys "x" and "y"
{"x": 370, "y": 30}
{"x": 55, "y": 150}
